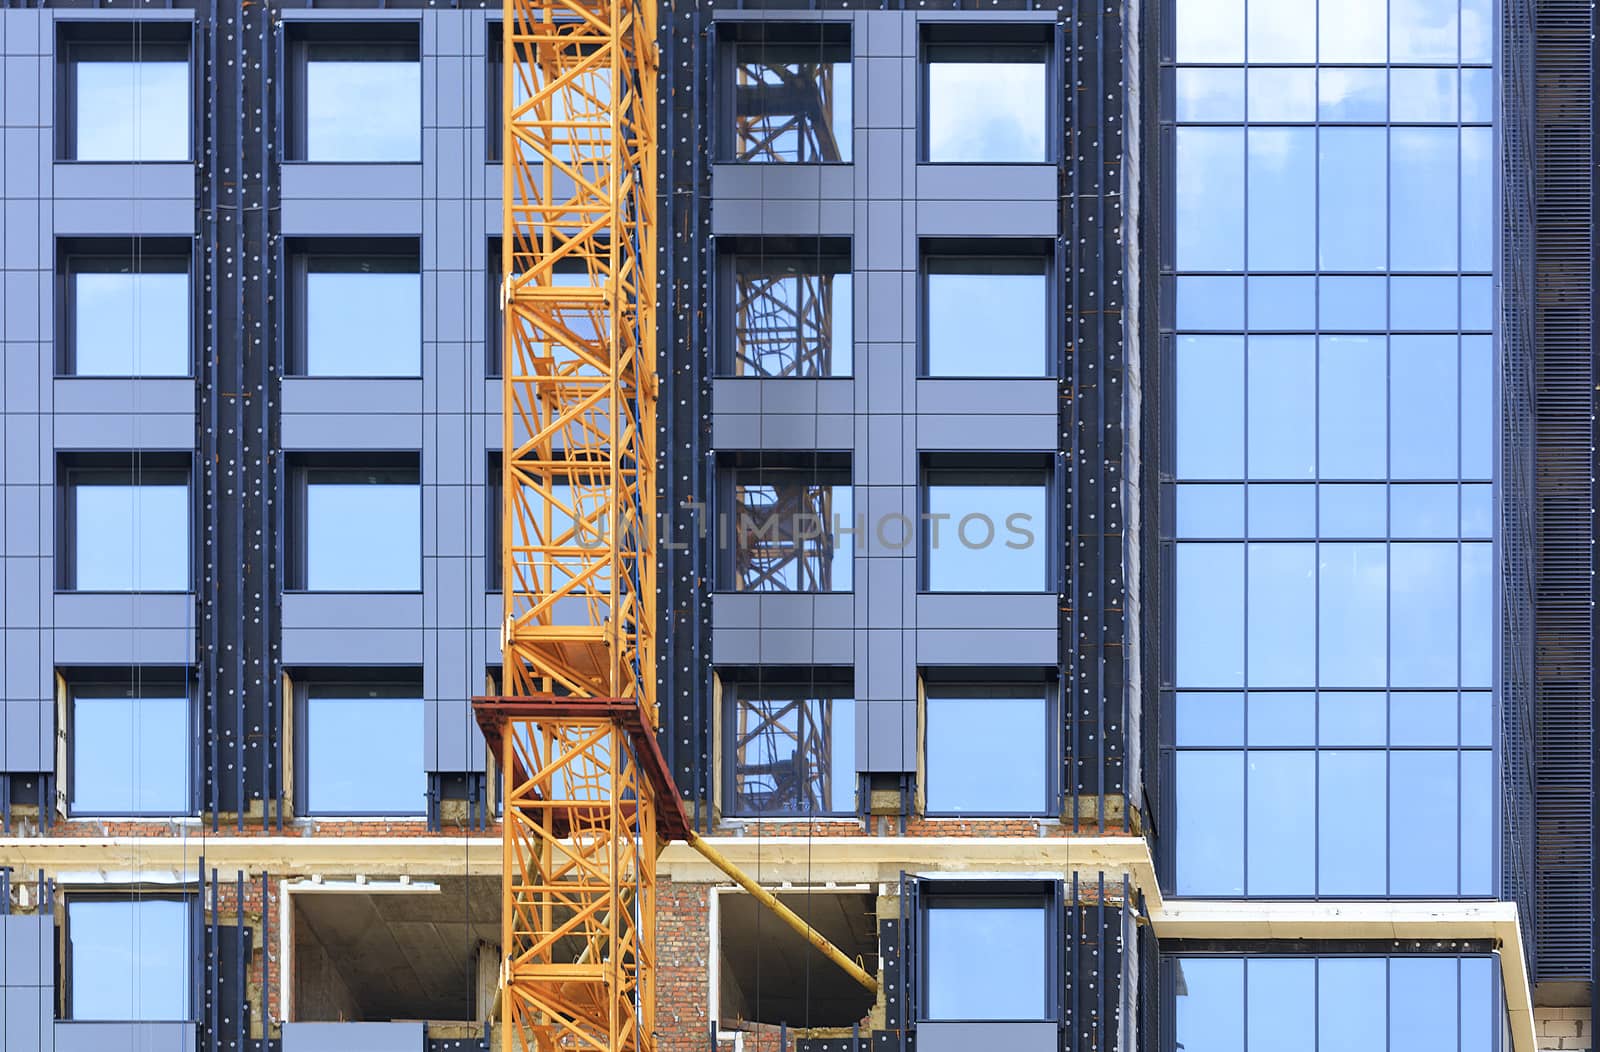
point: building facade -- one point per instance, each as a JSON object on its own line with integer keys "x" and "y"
{"x": 1125, "y": 524}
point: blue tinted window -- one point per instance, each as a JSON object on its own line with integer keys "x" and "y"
{"x": 1281, "y": 422}
{"x": 127, "y": 322}
{"x": 987, "y": 750}
{"x": 988, "y": 317}
{"x": 987, "y": 537}
{"x": 1209, "y": 226}
{"x": 1281, "y": 802}
{"x": 1423, "y": 207}
{"x": 1208, "y": 94}
{"x": 1209, "y": 837}
{"x": 1424, "y": 819}
{"x": 1210, "y": 30}
{"x": 1423, "y": 96}
{"x": 1209, "y": 615}
{"x": 130, "y": 752}
{"x": 986, "y": 961}
{"x": 1352, "y": 31}
{"x": 1352, "y": 614}
{"x": 1281, "y": 219}
{"x": 1355, "y": 95}
{"x": 1281, "y": 95}
{"x": 131, "y": 110}
{"x": 1351, "y": 796}
{"x": 1335, "y": 1003}
{"x": 793, "y": 749}
{"x": 385, "y": 774}
{"x": 1210, "y": 302}
{"x": 1423, "y": 30}
{"x": 1208, "y": 719}
{"x": 1283, "y": 511}
{"x": 1353, "y": 408}
{"x": 1357, "y": 304}
{"x": 1282, "y": 600}
{"x": 130, "y": 538}
{"x": 1353, "y": 198}
{"x": 363, "y": 317}
{"x": 129, "y": 958}
{"x": 1279, "y": 302}
{"x": 363, "y": 103}
{"x": 1423, "y": 438}
{"x": 343, "y": 552}
{"x": 1424, "y": 613}
{"x": 988, "y": 103}
{"x": 1209, "y": 407}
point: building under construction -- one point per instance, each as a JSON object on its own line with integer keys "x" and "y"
{"x": 814, "y": 525}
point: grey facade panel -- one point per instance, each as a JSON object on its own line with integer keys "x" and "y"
{"x": 351, "y": 610}
{"x": 987, "y": 218}
{"x": 148, "y": 180}
{"x": 154, "y": 610}
{"x": 988, "y": 397}
{"x": 73, "y": 1036}
{"x": 29, "y": 941}
{"x": 106, "y": 431}
{"x": 312, "y": 181}
{"x": 341, "y": 647}
{"x": 351, "y": 217}
{"x": 87, "y": 394}
{"x": 968, "y": 1037}
{"x": 1021, "y": 611}
{"x": 29, "y": 736}
{"x": 125, "y": 646}
{"x": 987, "y": 647}
{"x": 886, "y": 736}
{"x": 354, "y": 1037}
{"x": 327, "y": 431}
{"x": 124, "y": 216}
{"x": 381, "y": 396}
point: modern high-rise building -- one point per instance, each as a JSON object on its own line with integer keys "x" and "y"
{"x": 1124, "y": 491}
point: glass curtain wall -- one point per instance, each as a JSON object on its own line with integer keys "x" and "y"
{"x": 1331, "y": 366}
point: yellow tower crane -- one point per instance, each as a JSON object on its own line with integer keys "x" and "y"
{"x": 587, "y": 797}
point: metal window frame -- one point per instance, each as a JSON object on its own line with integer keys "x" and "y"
{"x": 99, "y": 683}
{"x": 304, "y": 470}
{"x": 362, "y": 255}
{"x": 366, "y": 39}
{"x": 401, "y": 683}
{"x": 1025, "y": 684}
{"x": 134, "y": 255}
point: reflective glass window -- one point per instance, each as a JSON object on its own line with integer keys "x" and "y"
{"x": 987, "y": 749}
{"x": 128, "y": 315}
{"x": 1335, "y": 1003}
{"x": 792, "y": 316}
{"x": 360, "y": 101}
{"x": 129, "y": 532}
{"x": 792, "y": 748}
{"x": 363, "y": 751}
{"x": 128, "y": 958}
{"x": 987, "y": 531}
{"x": 129, "y": 102}
{"x": 986, "y": 959}
{"x": 1209, "y": 217}
{"x": 362, "y": 315}
{"x": 988, "y": 316}
{"x": 129, "y": 747}
{"x": 342, "y": 552}
{"x": 791, "y": 531}
{"x": 988, "y": 102}
{"x": 793, "y": 96}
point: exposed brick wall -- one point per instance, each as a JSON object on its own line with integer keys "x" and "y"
{"x": 1563, "y": 1028}
{"x": 683, "y": 968}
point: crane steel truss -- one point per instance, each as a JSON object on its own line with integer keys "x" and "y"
{"x": 575, "y": 736}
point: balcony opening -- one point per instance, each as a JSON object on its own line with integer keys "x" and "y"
{"x": 769, "y": 974}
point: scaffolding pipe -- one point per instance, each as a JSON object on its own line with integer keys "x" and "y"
{"x": 787, "y": 915}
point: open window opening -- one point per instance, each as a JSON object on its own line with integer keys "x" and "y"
{"x": 425, "y": 951}
{"x": 767, "y": 974}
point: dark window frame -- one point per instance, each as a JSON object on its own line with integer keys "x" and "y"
{"x": 135, "y": 468}
{"x": 819, "y": 468}
{"x": 403, "y": 683}
{"x": 1022, "y": 894}
{"x": 363, "y": 40}
{"x": 193, "y": 923}
{"x": 1004, "y": 36}
{"x": 1025, "y": 684}
{"x": 141, "y": 255}
{"x": 972, "y": 256}
{"x": 80, "y": 41}
{"x": 1000, "y": 469}
{"x": 824, "y": 684}
{"x": 307, "y": 469}
{"x": 357, "y": 255}
{"x": 827, "y": 37}
{"x": 103, "y": 683}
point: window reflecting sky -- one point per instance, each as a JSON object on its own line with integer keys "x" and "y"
{"x": 1332, "y": 413}
{"x": 988, "y": 317}
{"x": 986, "y": 962}
{"x": 363, "y": 323}
{"x": 129, "y": 755}
{"x": 131, "y": 111}
{"x": 130, "y": 538}
{"x": 987, "y": 752}
{"x": 129, "y": 959}
{"x": 344, "y": 553}
{"x": 1336, "y": 1004}
{"x": 987, "y": 103}
{"x": 363, "y": 110}
{"x": 364, "y": 754}
{"x": 794, "y": 750}
{"x": 987, "y": 538}
{"x": 126, "y": 324}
